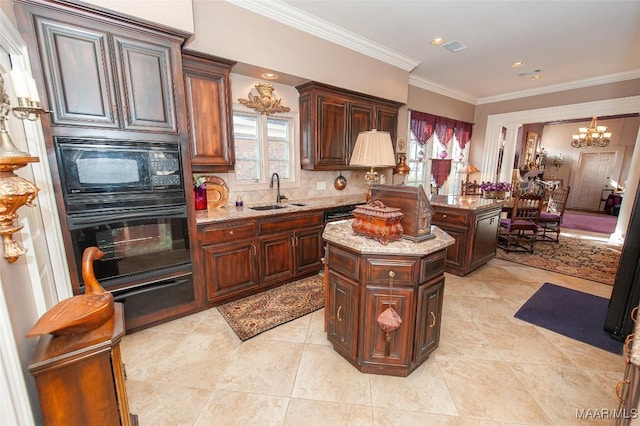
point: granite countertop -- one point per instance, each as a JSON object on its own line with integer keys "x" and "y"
{"x": 342, "y": 234}
{"x": 468, "y": 202}
{"x": 245, "y": 212}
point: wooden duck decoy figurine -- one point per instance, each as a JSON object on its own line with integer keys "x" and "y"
{"x": 82, "y": 313}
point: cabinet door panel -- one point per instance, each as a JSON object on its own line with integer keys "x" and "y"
{"x": 308, "y": 250}
{"x": 343, "y": 314}
{"x": 230, "y": 268}
{"x": 428, "y": 319}
{"x": 332, "y": 144}
{"x": 486, "y": 236}
{"x": 77, "y": 69}
{"x": 146, "y": 85}
{"x": 361, "y": 120}
{"x": 276, "y": 258}
{"x": 387, "y": 120}
{"x": 375, "y": 347}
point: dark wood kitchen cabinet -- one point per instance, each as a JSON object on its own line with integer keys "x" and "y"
{"x": 290, "y": 246}
{"x": 475, "y": 231}
{"x": 103, "y": 73}
{"x": 358, "y": 291}
{"x": 245, "y": 257}
{"x": 230, "y": 258}
{"x": 80, "y": 377}
{"x": 209, "y": 112}
{"x": 330, "y": 120}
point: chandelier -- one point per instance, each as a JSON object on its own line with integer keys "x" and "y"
{"x": 593, "y": 136}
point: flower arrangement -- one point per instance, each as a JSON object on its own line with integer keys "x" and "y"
{"x": 200, "y": 182}
{"x": 498, "y": 186}
{"x": 495, "y": 190}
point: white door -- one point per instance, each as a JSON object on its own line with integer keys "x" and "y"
{"x": 594, "y": 171}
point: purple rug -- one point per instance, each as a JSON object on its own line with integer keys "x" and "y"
{"x": 572, "y": 313}
{"x": 594, "y": 222}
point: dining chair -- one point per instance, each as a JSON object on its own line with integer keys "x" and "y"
{"x": 551, "y": 216}
{"x": 518, "y": 231}
{"x": 470, "y": 188}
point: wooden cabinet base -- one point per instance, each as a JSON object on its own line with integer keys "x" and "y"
{"x": 358, "y": 292}
{"x": 80, "y": 378}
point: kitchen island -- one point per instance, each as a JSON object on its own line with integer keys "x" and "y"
{"x": 473, "y": 222}
{"x": 363, "y": 278}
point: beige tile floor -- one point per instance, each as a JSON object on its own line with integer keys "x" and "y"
{"x": 490, "y": 368}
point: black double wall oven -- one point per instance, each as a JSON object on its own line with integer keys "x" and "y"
{"x": 127, "y": 198}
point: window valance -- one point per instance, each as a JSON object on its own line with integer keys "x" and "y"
{"x": 423, "y": 125}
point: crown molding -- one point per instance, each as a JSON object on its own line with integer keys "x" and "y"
{"x": 288, "y": 15}
{"x": 429, "y": 85}
{"x": 577, "y": 84}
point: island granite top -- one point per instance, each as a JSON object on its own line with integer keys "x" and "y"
{"x": 467, "y": 202}
{"x": 341, "y": 233}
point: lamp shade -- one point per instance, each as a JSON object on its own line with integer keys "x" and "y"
{"x": 470, "y": 168}
{"x": 373, "y": 149}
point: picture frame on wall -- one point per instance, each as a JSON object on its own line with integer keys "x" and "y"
{"x": 531, "y": 146}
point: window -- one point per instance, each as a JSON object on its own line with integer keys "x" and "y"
{"x": 418, "y": 156}
{"x": 264, "y": 145}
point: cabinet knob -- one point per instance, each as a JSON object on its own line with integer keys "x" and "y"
{"x": 444, "y": 216}
{"x": 433, "y": 320}
{"x": 230, "y": 232}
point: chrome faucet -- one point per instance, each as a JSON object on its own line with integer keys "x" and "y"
{"x": 278, "y": 196}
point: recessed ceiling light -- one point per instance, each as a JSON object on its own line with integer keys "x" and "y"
{"x": 269, "y": 76}
{"x": 438, "y": 41}
{"x": 517, "y": 64}
{"x": 536, "y": 77}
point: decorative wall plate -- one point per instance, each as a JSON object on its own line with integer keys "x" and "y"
{"x": 217, "y": 192}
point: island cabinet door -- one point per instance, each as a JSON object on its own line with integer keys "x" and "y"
{"x": 342, "y": 312}
{"x": 428, "y": 318}
{"x": 230, "y": 268}
{"x": 308, "y": 250}
{"x": 377, "y": 347}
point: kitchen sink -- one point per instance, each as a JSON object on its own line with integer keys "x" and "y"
{"x": 270, "y": 207}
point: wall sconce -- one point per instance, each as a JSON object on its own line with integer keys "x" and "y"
{"x": 15, "y": 191}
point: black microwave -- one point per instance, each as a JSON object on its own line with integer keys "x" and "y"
{"x": 106, "y": 174}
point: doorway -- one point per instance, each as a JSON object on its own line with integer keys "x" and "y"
{"x": 595, "y": 169}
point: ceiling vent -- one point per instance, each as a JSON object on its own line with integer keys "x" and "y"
{"x": 530, "y": 72}
{"x": 454, "y": 46}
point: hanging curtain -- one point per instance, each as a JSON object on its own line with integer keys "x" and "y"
{"x": 440, "y": 170}
{"x": 444, "y": 130}
{"x": 422, "y": 126}
{"x": 463, "y": 133}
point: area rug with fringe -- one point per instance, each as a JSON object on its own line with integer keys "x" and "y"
{"x": 260, "y": 312}
{"x": 583, "y": 258}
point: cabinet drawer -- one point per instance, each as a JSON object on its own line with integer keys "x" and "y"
{"x": 376, "y": 271}
{"x": 450, "y": 218}
{"x": 290, "y": 223}
{"x": 432, "y": 266}
{"x": 346, "y": 263}
{"x": 227, "y": 232}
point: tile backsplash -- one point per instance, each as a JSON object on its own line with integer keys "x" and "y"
{"x": 311, "y": 186}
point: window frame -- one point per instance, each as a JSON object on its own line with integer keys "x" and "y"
{"x": 294, "y": 154}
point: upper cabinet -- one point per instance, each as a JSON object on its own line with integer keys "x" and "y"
{"x": 208, "y": 99}
{"x": 101, "y": 73}
{"x": 330, "y": 120}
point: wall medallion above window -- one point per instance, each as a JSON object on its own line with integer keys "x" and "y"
{"x": 264, "y": 102}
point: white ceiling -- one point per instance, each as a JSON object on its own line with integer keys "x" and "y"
{"x": 573, "y": 43}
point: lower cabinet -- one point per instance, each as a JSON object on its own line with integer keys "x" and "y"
{"x": 475, "y": 232}
{"x": 359, "y": 290}
{"x": 245, "y": 257}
